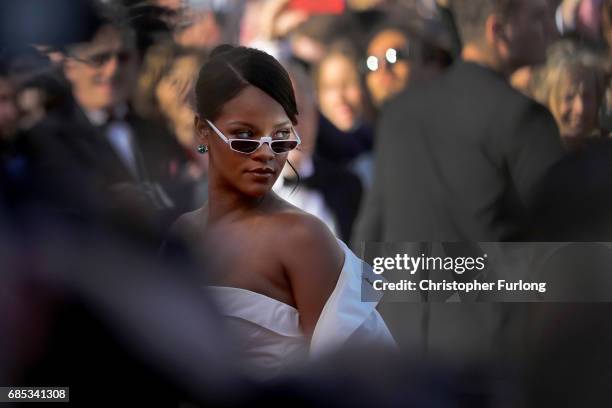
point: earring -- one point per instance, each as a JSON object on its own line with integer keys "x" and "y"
{"x": 202, "y": 149}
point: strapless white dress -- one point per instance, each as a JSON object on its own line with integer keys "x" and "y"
{"x": 269, "y": 332}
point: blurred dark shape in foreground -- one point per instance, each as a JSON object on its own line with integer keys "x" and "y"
{"x": 574, "y": 199}
{"x": 54, "y": 23}
{"x": 382, "y": 380}
{"x": 88, "y": 307}
{"x": 569, "y": 361}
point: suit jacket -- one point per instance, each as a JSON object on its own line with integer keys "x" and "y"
{"x": 457, "y": 159}
{"x": 77, "y": 162}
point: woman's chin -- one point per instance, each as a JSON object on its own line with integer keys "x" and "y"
{"x": 257, "y": 191}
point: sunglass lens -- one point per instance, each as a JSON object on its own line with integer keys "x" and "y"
{"x": 372, "y": 63}
{"x": 100, "y": 59}
{"x": 283, "y": 146}
{"x": 124, "y": 56}
{"x": 245, "y": 146}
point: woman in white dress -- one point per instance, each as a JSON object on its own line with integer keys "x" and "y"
{"x": 283, "y": 281}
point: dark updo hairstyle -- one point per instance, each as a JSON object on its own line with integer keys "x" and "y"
{"x": 231, "y": 69}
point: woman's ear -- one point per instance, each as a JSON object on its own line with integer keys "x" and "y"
{"x": 202, "y": 130}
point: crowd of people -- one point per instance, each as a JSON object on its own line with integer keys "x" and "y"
{"x": 418, "y": 121}
{"x": 130, "y": 67}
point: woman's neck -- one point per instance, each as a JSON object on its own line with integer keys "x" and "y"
{"x": 227, "y": 203}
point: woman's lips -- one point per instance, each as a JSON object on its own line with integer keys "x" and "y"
{"x": 344, "y": 111}
{"x": 263, "y": 170}
{"x": 263, "y": 173}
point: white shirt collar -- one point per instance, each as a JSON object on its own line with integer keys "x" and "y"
{"x": 100, "y": 117}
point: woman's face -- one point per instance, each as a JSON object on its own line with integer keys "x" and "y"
{"x": 252, "y": 114}
{"x": 388, "y": 78}
{"x": 174, "y": 93}
{"x": 339, "y": 92}
{"x": 574, "y": 104}
{"x": 174, "y": 88}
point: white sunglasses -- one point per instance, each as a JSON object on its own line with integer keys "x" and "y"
{"x": 248, "y": 146}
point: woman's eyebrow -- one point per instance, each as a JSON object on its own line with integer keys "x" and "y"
{"x": 239, "y": 122}
{"x": 242, "y": 123}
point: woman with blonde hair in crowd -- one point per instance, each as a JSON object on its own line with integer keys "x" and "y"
{"x": 571, "y": 85}
{"x": 166, "y": 94}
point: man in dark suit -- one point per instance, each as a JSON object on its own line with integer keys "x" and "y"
{"x": 94, "y": 147}
{"x": 457, "y": 159}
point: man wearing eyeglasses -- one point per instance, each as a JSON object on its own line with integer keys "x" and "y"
{"x": 96, "y": 143}
{"x": 102, "y": 72}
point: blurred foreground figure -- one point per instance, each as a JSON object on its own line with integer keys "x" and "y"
{"x": 83, "y": 306}
{"x": 569, "y": 359}
{"x": 456, "y": 160}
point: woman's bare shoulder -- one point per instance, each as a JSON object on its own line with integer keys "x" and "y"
{"x": 293, "y": 219}
{"x": 299, "y": 229}
{"x": 312, "y": 260}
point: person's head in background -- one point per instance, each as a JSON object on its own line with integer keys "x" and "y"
{"x": 571, "y": 85}
{"x": 166, "y": 88}
{"x": 245, "y": 94}
{"x": 310, "y": 41}
{"x": 193, "y": 22}
{"x": 503, "y": 35}
{"x": 340, "y": 93}
{"x": 197, "y": 26}
{"x": 151, "y": 24}
{"x": 175, "y": 93}
{"x": 388, "y": 62}
{"x": 103, "y": 70}
{"x": 522, "y": 78}
{"x": 395, "y": 56}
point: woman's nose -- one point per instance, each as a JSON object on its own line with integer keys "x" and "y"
{"x": 578, "y": 105}
{"x": 263, "y": 153}
{"x": 111, "y": 66}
